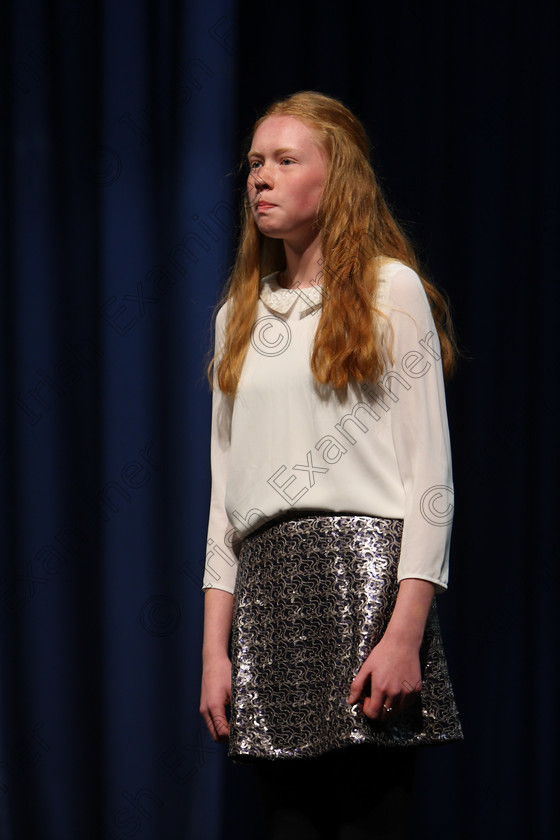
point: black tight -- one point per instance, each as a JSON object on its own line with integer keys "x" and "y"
{"x": 352, "y": 794}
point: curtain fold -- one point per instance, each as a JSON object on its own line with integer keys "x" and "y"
{"x": 118, "y": 219}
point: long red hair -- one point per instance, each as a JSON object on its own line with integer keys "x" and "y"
{"x": 357, "y": 228}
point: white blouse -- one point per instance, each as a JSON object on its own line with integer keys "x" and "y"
{"x": 285, "y": 444}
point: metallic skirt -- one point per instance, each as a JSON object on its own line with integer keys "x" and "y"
{"x": 314, "y": 594}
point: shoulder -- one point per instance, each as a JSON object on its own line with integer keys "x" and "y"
{"x": 400, "y": 287}
{"x": 220, "y": 322}
{"x": 221, "y": 315}
{"x": 268, "y": 288}
{"x": 397, "y": 279}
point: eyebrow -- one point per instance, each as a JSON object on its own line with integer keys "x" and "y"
{"x": 281, "y": 151}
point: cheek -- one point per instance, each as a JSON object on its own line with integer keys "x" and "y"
{"x": 316, "y": 185}
{"x": 312, "y": 195}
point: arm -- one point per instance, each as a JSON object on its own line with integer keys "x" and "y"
{"x": 420, "y": 434}
{"x": 215, "y": 692}
{"x": 219, "y": 573}
{"x": 221, "y": 561}
{"x": 391, "y": 675}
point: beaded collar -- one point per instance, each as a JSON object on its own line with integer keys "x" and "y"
{"x": 281, "y": 300}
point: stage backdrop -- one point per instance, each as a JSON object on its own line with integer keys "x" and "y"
{"x": 121, "y": 127}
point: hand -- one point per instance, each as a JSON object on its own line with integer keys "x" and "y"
{"x": 215, "y": 695}
{"x": 389, "y": 679}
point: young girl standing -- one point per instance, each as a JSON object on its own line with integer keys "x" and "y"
{"x": 332, "y": 493}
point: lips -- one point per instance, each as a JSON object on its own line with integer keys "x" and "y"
{"x": 264, "y": 205}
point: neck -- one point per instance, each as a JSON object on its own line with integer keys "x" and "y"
{"x": 303, "y": 267}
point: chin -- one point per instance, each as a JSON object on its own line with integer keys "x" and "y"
{"x": 271, "y": 233}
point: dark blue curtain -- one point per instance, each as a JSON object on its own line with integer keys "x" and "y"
{"x": 121, "y": 125}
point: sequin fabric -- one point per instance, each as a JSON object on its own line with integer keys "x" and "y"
{"x": 313, "y": 596}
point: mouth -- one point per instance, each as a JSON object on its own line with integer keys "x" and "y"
{"x": 264, "y": 205}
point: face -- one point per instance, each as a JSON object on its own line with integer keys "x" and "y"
{"x": 288, "y": 170}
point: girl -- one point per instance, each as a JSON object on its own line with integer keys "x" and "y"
{"x": 332, "y": 494}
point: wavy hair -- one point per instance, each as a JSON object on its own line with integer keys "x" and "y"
{"x": 357, "y": 228}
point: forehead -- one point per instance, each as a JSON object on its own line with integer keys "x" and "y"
{"x": 285, "y": 132}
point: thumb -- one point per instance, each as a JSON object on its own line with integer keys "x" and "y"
{"x": 357, "y": 687}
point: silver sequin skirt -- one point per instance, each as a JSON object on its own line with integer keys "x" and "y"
{"x": 313, "y": 596}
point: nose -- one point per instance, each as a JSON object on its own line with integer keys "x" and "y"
{"x": 260, "y": 179}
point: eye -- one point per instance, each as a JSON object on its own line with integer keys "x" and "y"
{"x": 286, "y": 161}
{"x": 255, "y": 164}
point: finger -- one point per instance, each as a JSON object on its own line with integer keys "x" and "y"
{"x": 222, "y": 726}
{"x": 221, "y": 729}
{"x": 218, "y": 725}
{"x": 210, "y": 726}
{"x": 389, "y": 709}
{"x": 357, "y": 687}
{"x": 373, "y": 705}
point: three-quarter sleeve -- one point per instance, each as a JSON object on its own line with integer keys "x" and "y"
{"x": 221, "y": 562}
{"x": 420, "y": 432}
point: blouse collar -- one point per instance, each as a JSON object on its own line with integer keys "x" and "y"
{"x": 282, "y": 300}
